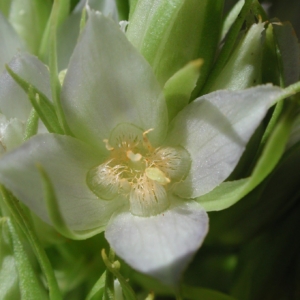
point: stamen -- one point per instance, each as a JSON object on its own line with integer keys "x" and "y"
{"x": 105, "y": 180}
{"x": 137, "y": 171}
{"x": 174, "y": 162}
{"x": 157, "y": 175}
{"x": 148, "y": 198}
{"x": 146, "y": 141}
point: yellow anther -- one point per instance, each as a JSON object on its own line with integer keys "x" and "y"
{"x": 157, "y": 175}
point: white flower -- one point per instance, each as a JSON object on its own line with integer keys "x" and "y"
{"x": 126, "y": 170}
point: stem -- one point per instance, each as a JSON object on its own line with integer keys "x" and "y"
{"x": 109, "y": 292}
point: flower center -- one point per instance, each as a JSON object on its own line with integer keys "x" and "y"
{"x": 138, "y": 171}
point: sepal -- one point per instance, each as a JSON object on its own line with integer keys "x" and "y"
{"x": 179, "y": 87}
{"x": 40, "y": 102}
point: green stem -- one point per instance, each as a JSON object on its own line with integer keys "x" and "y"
{"x": 109, "y": 280}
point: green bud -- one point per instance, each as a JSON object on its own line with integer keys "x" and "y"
{"x": 29, "y": 19}
{"x": 243, "y": 68}
{"x": 169, "y": 34}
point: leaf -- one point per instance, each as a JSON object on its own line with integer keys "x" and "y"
{"x": 270, "y": 61}
{"x": 40, "y": 102}
{"x": 54, "y": 80}
{"x": 29, "y": 284}
{"x": 243, "y": 68}
{"x": 29, "y": 19}
{"x": 228, "y": 46}
{"x": 158, "y": 28}
{"x": 97, "y": 290}
{"x": 289, "y": 51}
{"x": 9, "y": 287}
{"x": 179, "y": 87}
{"x": 123, "y": 9}
{"x": 231, "y": 17}
{"x": 62, "y": 8}
{"x": 22, "y": 220}
{"x": 31, "y": 125}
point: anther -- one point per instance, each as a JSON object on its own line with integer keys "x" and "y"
{"x": 157, "y": 175}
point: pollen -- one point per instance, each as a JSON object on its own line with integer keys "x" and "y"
{"x": 137, "y": 171}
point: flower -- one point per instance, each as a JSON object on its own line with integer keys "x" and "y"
{"x": 125, "y": 169}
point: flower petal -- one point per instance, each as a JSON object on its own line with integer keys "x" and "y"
{"x": 66, "y": 161}
{"x": 11, "y": 133}
{"x": 214, "y": 129}
{"x": 68, "y": 32}
{"x": 14, "y": 102}
{"x": 108, "y": 82}
{"x": 162, "y": 245}
{"x": 10, "y": 42}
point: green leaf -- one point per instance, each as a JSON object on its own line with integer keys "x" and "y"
{"x": 228, "y": 46}
{"x": 29, "y": 18}
{"x": 289, "y": 52}
{"x": 210, "y": 38}
{"x": 40, "y": 102}
{"x": 114, "y": 269}
{"x": 5, "y": 7}
{"x": 31, "y": 125}
{"x": 55, "y": 84}
{"x": 29, "y": 284}
{"x": 9, "y": 287}
{"x": 243, "y": 68}
{"x": 196, "y": 293}
{"x": 270, "y": 61}
{"x": 157, "y": 29}
{"x": 21, "y": 218}
{"x": 45, "y": 110}
{"x": 132, "y": 6}
{"x": 62, "y": 8}
{"x": 82, "y": 20}
{"x": 258, "y": 11}
{"x": 179, "y": 87}
{"x": 123, "y": 9}
{"x": 97, "y": 290}
{"x": 231, "y": 17}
